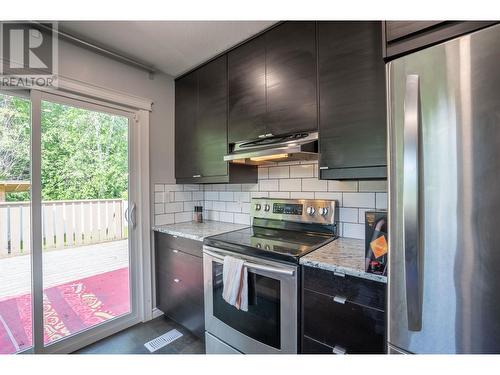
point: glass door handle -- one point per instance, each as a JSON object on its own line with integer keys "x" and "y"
{"x": 411, "y": 202}
{"x": 131, "y": 215}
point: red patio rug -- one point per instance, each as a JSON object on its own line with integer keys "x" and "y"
{"x": 67, "y": 309}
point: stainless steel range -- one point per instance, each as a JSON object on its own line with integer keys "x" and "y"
{"x": 282, "y": 231}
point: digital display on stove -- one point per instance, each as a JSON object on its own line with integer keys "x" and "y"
{"x": 287, "y": 208}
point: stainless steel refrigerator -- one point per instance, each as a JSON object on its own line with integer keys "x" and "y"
{"x": 444, "y": 185}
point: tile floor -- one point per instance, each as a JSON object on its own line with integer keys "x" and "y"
{"x": 131, "y": 340}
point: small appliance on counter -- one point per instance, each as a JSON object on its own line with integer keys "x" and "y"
{"x": 376, "y": 246}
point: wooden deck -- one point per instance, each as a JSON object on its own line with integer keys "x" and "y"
{"x": 61, "y": 266}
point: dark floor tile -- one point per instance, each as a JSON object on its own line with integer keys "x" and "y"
{"x": 131, "y": 340}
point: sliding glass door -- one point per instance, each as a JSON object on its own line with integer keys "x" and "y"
{"x": 16, "y": 334}
{"x": 76, "y": 256}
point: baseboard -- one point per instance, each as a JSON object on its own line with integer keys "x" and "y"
{"x": 157, "y": 312}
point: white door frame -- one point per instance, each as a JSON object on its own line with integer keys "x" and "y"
{"x": 140, "y": 249}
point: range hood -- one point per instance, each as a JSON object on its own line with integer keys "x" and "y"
{"x": 269, "y": 148}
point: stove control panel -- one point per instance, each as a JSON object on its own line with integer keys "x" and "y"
{"x": 297, "y": 210}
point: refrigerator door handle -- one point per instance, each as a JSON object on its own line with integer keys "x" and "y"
{"x": 411, "y": 204}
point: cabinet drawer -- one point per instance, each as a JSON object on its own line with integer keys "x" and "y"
{"x": 348, "y": 327}
{"x": 310, "y": 346}
{"x": 178, "y": 265}
{"x": 353, "y": 289}
{"x": 185, "y": 245}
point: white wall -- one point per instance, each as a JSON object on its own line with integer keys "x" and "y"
{"x": 84, "y": 65}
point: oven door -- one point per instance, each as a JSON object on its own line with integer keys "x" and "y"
{"x": 270, "y": 324}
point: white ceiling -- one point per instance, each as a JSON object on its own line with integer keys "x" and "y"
{"x": 173, "y": 47}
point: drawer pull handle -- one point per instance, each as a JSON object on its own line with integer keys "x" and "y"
{"x": 175, "y": 251}
{"x": 339, "y": 274}
{"x": 338, "y": 350}
{"x": 339, "y": 299}
{"x": 173, "y": 235}
{"x": 196, "y": 175}
{"x": 323, "y": 168}
{"x": 177, "y": 280}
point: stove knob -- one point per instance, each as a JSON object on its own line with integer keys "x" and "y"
{"x": 267, "y": 247}
{"x": 310, "y": 210}
{"x": 267, "y": 207}
{"x": 257, "y": 207}
{"x": 323, "y": 211}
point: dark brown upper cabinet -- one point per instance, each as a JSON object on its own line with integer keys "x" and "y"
{"x": 201, "y": 128}
{"x": 247, "y": 90}
{"x": 273, "y": 83}
{"x": 291, "y": 83}
{"x": 403, "y": 37}
{"x": 352, "y": 123}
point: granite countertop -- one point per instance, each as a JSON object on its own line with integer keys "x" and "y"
{"x": 198, "y": 231}
{"x": 345, "y": 255}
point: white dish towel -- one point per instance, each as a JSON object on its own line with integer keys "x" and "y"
{"x": 234, "y": 279}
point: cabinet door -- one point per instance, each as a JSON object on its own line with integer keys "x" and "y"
{"x": 247, "y": 90}
{"x": 210, "y": 137}
{"x": 352, "y": 100}
{"x": 186, "y": 102}
{"x": 291, "y": 78}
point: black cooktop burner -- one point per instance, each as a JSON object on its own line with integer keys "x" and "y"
{"x": 278, "y": 244}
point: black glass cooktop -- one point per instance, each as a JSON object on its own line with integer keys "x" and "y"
{"x": 279, "y": 244}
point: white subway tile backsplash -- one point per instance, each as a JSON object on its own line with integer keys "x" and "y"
{"x": 302, "y": 170}
{"x": 353, "y": 231}
{"x": 279, "y": 172}
{"x": 159, "y": 208}
{"x": 373, "y": 186}
{"x": 226, "y": 196}
{"x": 249, "y": 187}
{"x": 174, "y": 187}
{"x": 211, "y": 195}
{"x": 349, "y": 215}
{"x": 358, "y": 199}
{"x": 227, "y": 217}
{"x": 342, "y": 185}
{"x": 296, "y": 180}
{"x": 290, "y": 184}
{"x": 313, "y": 184}
{"x": 191, "y": 187}
{"x": 198, "y": 195}
{"x": 259, "y": 194}
{"x": 219, "y": 206}
{"x": 242, "y": 196}
{"x": 331, "y": 196}
{"x": 212, "y": 215}
{"x": 242, "y": 219}
{"x": 302, "y": 195}
{"x": 268, "y": 185}
{"x": 263, "y": 173}
{"x": 279, "y": 194}
{"x": 381, "y": 201}
{"x": 181, "y": 196}
{"x": 233, "y": 187}
{"x": 245, "y": 208}
{"x": 182, "y": 217}
{"x": 233, "y": 207}
{"x": 159, "y": 197}
{"x": 174, "y": 207}
{"x": 164, "y": 219}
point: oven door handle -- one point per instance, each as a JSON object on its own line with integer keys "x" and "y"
{"x": 255, "y": 266}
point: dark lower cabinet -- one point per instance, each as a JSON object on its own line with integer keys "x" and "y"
{"x": 403, "y": 37}
{"x": 179, "y": 281}
{"x": 334, "y": 321}
{"x": 352, "y": 122}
